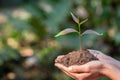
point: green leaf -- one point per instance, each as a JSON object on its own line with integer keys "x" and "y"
{"x": 91, "y": 32}
{"x": 66, "y": 31}
{"x": 83, "y": 21}
{"x": 74, "y": 18}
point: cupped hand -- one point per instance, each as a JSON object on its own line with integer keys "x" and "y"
{"x": 93, "y": 69}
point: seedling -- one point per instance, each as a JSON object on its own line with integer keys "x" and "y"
{"x": 71, "y": 30}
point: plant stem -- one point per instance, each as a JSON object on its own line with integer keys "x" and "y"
{"x": 80, "y": 38}
{"x": 81, "y": 44}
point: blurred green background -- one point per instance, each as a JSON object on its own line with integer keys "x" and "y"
{"x": 27, "y": 28}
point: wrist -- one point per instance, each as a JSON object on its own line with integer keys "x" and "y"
{"x": 111, "y": 72}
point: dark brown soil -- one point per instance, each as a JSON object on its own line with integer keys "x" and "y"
{"x": 76, "y": 58}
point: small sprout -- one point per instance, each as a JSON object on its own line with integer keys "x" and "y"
{"x": 71, "y": 30}
{"x": 77, "y": 19}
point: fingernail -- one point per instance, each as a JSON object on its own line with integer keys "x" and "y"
{"x": 70, "y": 68}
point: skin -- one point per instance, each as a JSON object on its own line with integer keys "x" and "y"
{"x": 105, "y": 66}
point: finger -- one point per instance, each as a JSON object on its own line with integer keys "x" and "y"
{"x": 79, "y": 68}
{"x": 58, "y": 59}
{"x": 82, "y": 76}
{"x": 69, "y": 74}
{"x": 64, "y": 69}
{"x": 78, "y": 76}
{"x": 60, "y": 66}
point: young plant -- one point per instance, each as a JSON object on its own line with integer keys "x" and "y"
{"x": 70, "y": 30}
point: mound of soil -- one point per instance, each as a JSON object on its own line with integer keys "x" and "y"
{"x": 76, "y": 58}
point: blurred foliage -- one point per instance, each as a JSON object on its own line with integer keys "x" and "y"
{"x": 27, "y": 28}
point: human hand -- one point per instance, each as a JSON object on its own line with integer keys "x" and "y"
{"x": 94, "y": 69}
{"x": 84, "y": 72}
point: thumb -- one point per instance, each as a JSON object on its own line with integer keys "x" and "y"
{"x": 79, "y": 68}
